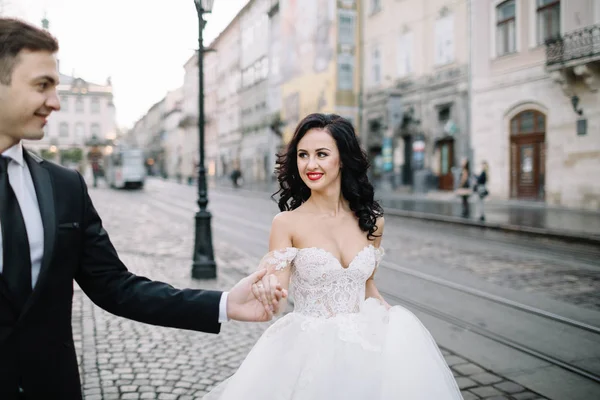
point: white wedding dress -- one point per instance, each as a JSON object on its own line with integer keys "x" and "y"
{"x": 336, "y": 345}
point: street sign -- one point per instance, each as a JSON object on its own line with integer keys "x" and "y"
{"x": 418, "y": 145}
{"x": 450, "y": 128}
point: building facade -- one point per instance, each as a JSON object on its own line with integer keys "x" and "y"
{"x": 229, "y": 80}
{"x": 415, "y": 97}
{"x": 274, "y": 82}
{"x": 188, "y": 122}
{"x": 535, "y": 103}
{"x": 155, "y": 152}
{"x": 149, "y": 134}
{"x": 87, "y": 115}
{"x": 254, "y": 63}
{"x": 320, "y": 54}
{"x": 173, "y": 140}
{"x": 87, "y": 111}
{"x": 211, "y": 124}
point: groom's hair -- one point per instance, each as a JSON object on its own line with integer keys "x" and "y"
{"x": 17, "y": 35}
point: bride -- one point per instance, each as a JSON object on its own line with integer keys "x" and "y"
{"x": 342, "y": 340}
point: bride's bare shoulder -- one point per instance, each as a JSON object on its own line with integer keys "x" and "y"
{"x": 286, "y": 217}
{"x": 283, "y": 230}
{"x": 289, "y": 219}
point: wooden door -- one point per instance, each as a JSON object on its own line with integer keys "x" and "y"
{"x": 446, "y": 148}
{"x": 527, "y": 154}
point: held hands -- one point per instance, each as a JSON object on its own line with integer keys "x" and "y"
{"x": 243, "y": 303}
{"x": 265, "y": 291}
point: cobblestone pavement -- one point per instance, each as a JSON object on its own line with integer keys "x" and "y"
{"x": 123, "y": 359}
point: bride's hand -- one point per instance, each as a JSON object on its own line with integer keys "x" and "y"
{"x": 266, "y": 291}
{"x": 242, "y": 305}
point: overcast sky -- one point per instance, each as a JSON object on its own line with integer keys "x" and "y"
{"x": 141, "y": 44}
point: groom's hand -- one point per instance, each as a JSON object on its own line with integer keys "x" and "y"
{"x": 242, "y": 305}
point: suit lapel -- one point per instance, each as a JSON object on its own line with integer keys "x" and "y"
{"x": 45, "y": 196}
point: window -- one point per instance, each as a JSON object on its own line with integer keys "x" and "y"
{"x": 346, "y": 27}
{"x": 445, "y": 159}
{"x": 528, "y": 122}
{"x": 274, "y": 65}
{"x": 64, "y": 103}
{"x": 79, "y": 105}
{"x": 257, "y": 70}
{"x": 375, "y": 6}
{"x": 405, "y": 54}
{"x": 63, "y": 130}
{"x": 506, "y": 41}
{"x": 265, "y": 68}
{"x": 444, "y": 40}
{"x": 444, "y": 115}
{"x": 95, "y": 105}
{"x": 95, "y": 130}
{"x": 79, "y": 130}
{"x": 261, "y": 69}
{"x": 249, "y": 76}
{"x": 548, "y": 20}
{"x": 236, "y": 83}
{"x": 345, "y": 72}
{"x": 248, "y": 36}
{"x": 376, "y": 66}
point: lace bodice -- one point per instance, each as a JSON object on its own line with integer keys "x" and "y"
{"x": 320, "y": 285}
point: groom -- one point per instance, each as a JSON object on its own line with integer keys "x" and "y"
{"x": 51, "y": 235}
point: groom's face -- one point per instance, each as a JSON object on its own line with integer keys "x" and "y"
{"x": 28, "y": 99}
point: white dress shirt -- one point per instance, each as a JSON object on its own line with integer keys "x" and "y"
{"x": 223, "y": 308}
{"x": 22, "y": 184}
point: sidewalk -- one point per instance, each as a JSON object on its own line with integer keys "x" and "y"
{"x": 509, "y": 215}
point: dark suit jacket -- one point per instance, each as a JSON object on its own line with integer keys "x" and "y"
{"x": 36, "y": 345}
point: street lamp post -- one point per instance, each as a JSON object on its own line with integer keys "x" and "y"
{"x": 204, "y": 266}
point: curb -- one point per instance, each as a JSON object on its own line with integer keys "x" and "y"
{"x": 539, "y": 232}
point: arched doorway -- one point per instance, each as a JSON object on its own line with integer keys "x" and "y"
{"x": 528, "y": 155}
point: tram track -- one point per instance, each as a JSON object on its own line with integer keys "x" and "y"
{"x": 506, "y": 341}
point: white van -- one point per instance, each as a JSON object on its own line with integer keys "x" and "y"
{"x": 125, "y": 168}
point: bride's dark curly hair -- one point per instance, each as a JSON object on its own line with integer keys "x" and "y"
{"x": 356, "y": 188}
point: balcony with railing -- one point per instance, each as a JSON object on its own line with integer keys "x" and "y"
{"x": 575, "y": 57}
{"x": 575, "y": 48}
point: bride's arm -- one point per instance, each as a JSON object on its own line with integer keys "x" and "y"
{"x": 371, "y": 288}
{"x": 277, "y": 261}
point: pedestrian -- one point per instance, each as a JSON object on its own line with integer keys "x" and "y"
{"x": 95, "y": 171}
{"x": 326, "y": 243}
{"x": 236, "y": 176}
{"x": 480, "y": 189}
{"x": 464, "y": 188}
{"x": 51, "y": 235}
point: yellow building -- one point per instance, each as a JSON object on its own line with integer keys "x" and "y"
{"x": 320, "y": 65}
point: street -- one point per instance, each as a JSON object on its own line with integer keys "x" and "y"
{"x": 516, "y": 317}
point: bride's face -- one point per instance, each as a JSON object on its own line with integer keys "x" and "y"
{"x": 318, "y": 159}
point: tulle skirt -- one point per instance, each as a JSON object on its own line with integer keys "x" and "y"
{"x": 373, "y": 354}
